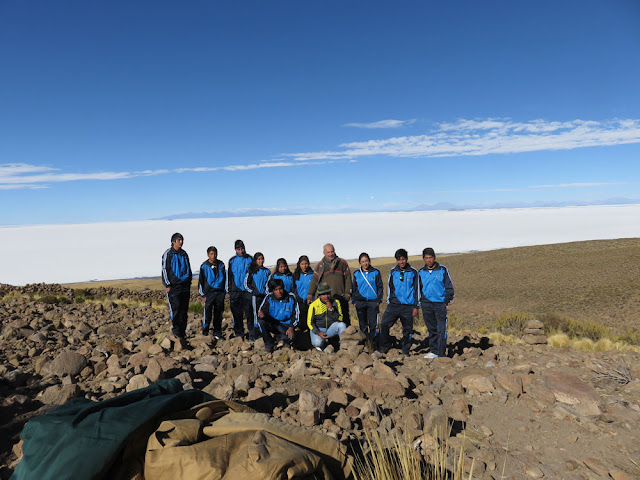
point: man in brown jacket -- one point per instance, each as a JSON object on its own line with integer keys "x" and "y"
{"x": 334, "y": 271}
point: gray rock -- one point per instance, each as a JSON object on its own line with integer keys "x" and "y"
{"x": 137, "y": 382}
{"x": 308, "y": 402}
{"x": 68, "y": 363}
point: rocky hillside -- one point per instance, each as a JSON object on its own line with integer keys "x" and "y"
{"x": 518, "y": 411}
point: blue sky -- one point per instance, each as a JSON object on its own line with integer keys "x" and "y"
{"x": 136, "y": 110}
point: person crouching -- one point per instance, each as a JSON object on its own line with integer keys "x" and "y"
{"x": 325, "y": 317}
{"x": 278, "y": 315}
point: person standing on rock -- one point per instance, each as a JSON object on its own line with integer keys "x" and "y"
{"x": 211, "y": 286}
{"x": 301, "y": 279}
{"x": 278, "y": 314}
{"x": 325, "y": 318}
{"x": 239, "y": 298}
{"x": 255, "y": 283}
{"x": 402, "y": 302}
{"x": 367, "y": 297}
{"x": 176, "y": 278}
{"x": 334, "y": 271}
{"x": 436, "y": 292}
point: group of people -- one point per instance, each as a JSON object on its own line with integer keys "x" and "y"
{"x": 274, "y": 302}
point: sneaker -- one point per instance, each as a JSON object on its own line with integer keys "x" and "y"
{"x": 268, "y": 348}
{"x": 217, "y": 336}
{"x": 319, "y": 349}
{"x": 431, "y": 355}
{"x": 406, "y": 353}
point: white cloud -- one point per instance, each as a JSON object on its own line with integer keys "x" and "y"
{"x": 9, "y": 169}
{"x": 381, "y": 124}
{"x": 580, "y": 185}
{"x": 529, "y": 187}
{"x": 22, "y": 176}
{"x": 22, "y": 186}
{"x": 489, "y": 136}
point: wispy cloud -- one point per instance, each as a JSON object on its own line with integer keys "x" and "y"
{"x": 581, "y": 185}
{"x": 529, "y": 187}
{"x": 15, "y": 176}
{"x": 489, "y": 136}
{"x": 382, "y": 124}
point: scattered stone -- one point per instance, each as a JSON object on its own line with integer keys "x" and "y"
{"x": 570, "y": 390}
{"x": 137, "y": 382}
{"x": 68, "y": 363}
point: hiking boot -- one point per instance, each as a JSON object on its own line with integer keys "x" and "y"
{"x": 268, "y": 348}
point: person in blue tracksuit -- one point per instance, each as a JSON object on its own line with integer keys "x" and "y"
{"x": 436, "y": 292}
{"x": 255, "y": 282}
{"x": 302, "y": 276}
{"x": 367, "y": 297}
{"x": 211, "y": 286}
{"x": 278, "y": 314}
{"x": 402, "y": 302}
{"x": 239, "y": 298}
{"x": 282, "y": 272}
{"x": 176, "y": 278}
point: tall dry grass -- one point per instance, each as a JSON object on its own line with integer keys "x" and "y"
{"x": 393, "y": 457}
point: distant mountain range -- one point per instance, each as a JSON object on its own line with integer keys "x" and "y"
{"x": 260, "y": 212}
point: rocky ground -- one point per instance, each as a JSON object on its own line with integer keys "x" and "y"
{"x": 518, "y": 411}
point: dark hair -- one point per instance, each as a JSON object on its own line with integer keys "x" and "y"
{"x": 298, "y": 271}
{"x": 364, "y": 254}
{"x": 253, "y": 268}
{"x": 176, "y": 236}
{"x": 281, "y": 261}
{"x": 212, "y": 249}
{"x": 428, "y": 251}
{"x": 275, "y": 283}
{"x": 401, "y": 252}
{"x": 238, "y": 244}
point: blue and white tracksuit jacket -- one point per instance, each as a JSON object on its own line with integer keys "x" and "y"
{"x": 367, "y": 286}
{"x": 212, "y": 278}
{"x": 176, "y": 270}
{"x": 402, "y": 288}
{"x": 301, "y": 286}
{"x": 435, "y": 284}
{"x": 285, "y": 311}
{"x": 256, "y": 283}
{"x": 236, "y": 273}
{"x": 287, "y": 279}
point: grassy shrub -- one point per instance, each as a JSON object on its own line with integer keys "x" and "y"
{"x": 13, "y": 296}
{"x": 590, "y": 329}
{"x": 80, "y": 300}
{"x": 81, "y": 293}
{"x": 49, "y": 300}
{"x": 64, "y": 300}
{"x": 512, "y": 323}
{"x": 197, "y": 308}
{"x": 631, "y": 336}
{"x": 559, "y": 340}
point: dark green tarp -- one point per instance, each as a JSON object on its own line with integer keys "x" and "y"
{"x": 81, "y": 439}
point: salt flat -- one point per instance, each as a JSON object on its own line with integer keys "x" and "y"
{"x": 117, "y": 250}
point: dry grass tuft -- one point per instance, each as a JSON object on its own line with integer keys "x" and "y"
{"x": 559, "y": 340}
{"x": 393, "y": 458}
